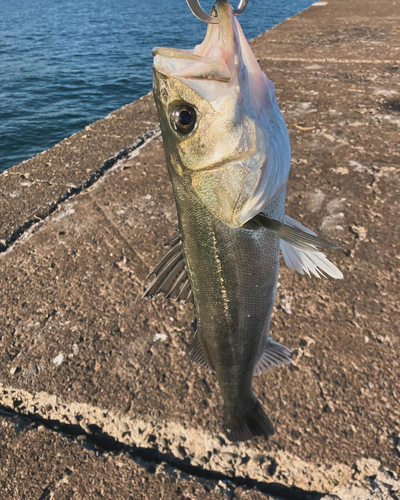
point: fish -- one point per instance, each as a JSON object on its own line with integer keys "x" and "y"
{"x": 228, "y": 156}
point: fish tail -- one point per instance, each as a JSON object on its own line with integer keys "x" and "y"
{"x": 254, "y": 422}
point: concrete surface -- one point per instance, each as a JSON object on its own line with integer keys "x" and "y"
{"x": 82, "y": 355}
{"x": 32, "y": 190}
{"x": 38, "y": 463}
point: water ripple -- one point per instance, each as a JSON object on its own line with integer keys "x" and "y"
{"x": 67, "y": 63}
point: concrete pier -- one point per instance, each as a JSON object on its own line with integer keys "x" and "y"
{"x": 98, "y": 398}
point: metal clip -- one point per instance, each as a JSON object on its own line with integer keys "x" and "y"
{"x": 198, "y": 11}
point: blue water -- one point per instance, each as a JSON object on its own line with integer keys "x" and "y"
{"x": 67, "y": 63}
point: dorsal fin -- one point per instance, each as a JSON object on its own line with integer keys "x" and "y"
{"x": 197, "y": 353}
{"x": 170, "y": 276}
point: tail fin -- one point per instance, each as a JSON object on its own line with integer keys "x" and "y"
{"x": 254, "y": 422}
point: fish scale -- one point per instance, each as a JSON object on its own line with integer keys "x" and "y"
{"x": 234, "y": 292}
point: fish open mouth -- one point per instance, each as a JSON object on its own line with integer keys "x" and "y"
{"x": 181, "y": 63}
{"x": 212, "y": 59}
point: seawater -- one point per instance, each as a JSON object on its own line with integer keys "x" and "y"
{"x": 66, "y": 63}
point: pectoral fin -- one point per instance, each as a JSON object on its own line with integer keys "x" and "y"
{"x": 294, "y": 233}
{"x": 300, "y": 247}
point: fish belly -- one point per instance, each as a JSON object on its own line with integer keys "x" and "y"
{"x": 233, "y": 273}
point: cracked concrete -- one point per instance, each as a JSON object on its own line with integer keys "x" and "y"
{"x": 84, "y": 360}
{"x": 72, "y": 189}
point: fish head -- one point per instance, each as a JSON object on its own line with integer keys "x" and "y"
{"x": 223, "y": 133}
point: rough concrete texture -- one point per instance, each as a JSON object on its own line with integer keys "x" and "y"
{"x": 81, "y": 353}
{"x": 32, "y": 190}
{"x": 38, "y": 463}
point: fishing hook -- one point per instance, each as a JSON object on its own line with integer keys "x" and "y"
{"x": 198, "y": 11}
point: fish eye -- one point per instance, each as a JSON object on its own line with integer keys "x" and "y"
{"x": 183, "y": 119}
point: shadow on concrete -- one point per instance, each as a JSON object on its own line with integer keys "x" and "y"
{"x": 101, "y": 442}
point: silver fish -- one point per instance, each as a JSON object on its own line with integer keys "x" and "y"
{"x": 228, "y": 155}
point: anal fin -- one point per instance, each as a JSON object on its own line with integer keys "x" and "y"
{"x": 274, "y": 354}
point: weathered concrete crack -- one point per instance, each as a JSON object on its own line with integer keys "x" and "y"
{"x": 74, "y": 190}
{"x": 98, "y": 441}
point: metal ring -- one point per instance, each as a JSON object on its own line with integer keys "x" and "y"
{"x": 201, "y": 14}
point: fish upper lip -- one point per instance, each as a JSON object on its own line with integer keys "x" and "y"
{"x": 172, "y": 53}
